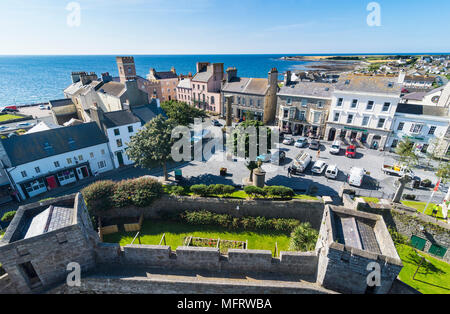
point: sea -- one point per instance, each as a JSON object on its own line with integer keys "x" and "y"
{"x": 36, "y": 79}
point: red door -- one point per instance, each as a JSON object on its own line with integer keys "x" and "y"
{"x": 51, "y": 181}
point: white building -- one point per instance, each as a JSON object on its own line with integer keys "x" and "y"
{"x": 363, "y": 108}
{"x": 119, "y": 127}
{"x": 42, "y": 161}
{"x": 426, "y": 126}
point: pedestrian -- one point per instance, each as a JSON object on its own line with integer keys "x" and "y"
{"x": 289, "y": 171}
{"x": 318, "y": 154}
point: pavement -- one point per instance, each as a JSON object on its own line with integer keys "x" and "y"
{"x": 207, "y": 171}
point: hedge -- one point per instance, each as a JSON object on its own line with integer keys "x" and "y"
{"x": 254, "y": 191}
{"x": 8, "y": 216}
{"x": 104, "y": 195}
{"x": 245, "y": 223}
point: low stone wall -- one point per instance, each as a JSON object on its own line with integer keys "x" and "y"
{"x": 237, "y": 260}
{"x": 303, "y": 210}
{"x": 6, "y": 286}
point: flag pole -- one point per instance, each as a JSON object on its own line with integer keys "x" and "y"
{"x": 432, "y": 194}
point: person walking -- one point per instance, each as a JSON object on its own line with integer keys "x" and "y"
{"x": 289, "y": 171}
{"x": 318, "y": 154}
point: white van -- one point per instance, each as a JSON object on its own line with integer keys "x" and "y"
{"x": 332, "y": 172}
{"x": 356, "y": 176}
{"x": 302, "y": 161}
{"x": 335, "y": 149}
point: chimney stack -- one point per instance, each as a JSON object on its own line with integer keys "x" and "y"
{"x": 231, "y": 74}
{"x": 287, "y": 78}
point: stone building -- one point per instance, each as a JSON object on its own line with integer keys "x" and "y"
{"x": 349, "y": 241}
{"x": 303, "y": 107}
{"x": 253, "y": 98}
{"x": 362, "y": 109}
{"x": 206, "y": 85}
{"x": 164, "y": 83}
{"x": 42, "y": 239}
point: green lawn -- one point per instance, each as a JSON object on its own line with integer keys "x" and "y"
{"x": 419, "y": 206}
{"x": 433, "y": 276}
{"x": 152, "y": 232}
{"x": 6, "y": 117}
{"x": 371, "y": 200}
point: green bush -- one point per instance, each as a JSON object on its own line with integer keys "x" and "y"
{"x": 228, "y": 189}
{"x": 220, "y": 189}
{"x": 398, "y": 237}
{"x": 147, "y": 190}
{"x": 199, "y": 189}
{"x": 99, "y": 195}
{"x": 123, "y": 193}
{"x": 175, "y": 190}
{"x": 254, "y": 191}
{"x": 246, "y": 223}
{"x": 303, "y": 238}
{"x": 279, "y": 191}
{"x": 8, "y": 216}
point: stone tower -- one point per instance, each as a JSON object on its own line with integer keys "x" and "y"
{"x": 270, "y": 102}
{"x": 127, "y": 68}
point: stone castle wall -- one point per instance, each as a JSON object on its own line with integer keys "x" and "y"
{"x": 200, "y": 258}
{"x": 303, "y": 210}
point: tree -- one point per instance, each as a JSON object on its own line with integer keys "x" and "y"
{"x": 153, "y": 143}
{"x": 405, "y": 150}
{"x": 443, "y": 172}
{"x": 242, "y": 139}
{"x": 251, "y": 166}
{"x": 181, "y": 113}
{"x": 303, "y": 238}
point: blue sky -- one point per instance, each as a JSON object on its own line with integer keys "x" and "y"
{"x": 223, "y": 26}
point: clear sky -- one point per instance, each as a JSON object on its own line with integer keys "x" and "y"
{"x": 222, "y": 27}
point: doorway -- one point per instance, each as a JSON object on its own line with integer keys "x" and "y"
{"x": 51, "y": 182}
{"x": 120, "y": 159}
{"x": 332, "y": 134}
{"x": 83, "y": 172}
{"x": 30, "y": 275}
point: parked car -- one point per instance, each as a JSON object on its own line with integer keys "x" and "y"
{"x": 335, "y": 148}
{"x": 277, "y": 156}
{"x": 288, "y": 141}
{"x": 319, "y": 167}
{"x": 42, "y": 107}
{"x": 25, "y": 124}
{"x": 6, "y": 110}
{"x": 301, "y": 142}
{"x": 216, "y": 122}
{"x": 356, "y": 176}
{"x": 301, "y": 162}
{"x": 315, "y": 145}
{"x": 351, "y": 151}
{"x": 264, "y": 157}
{"x": 332, "y": 172}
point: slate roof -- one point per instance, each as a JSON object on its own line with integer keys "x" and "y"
{"x": 423, "y": 110}
{"x": 148, "y": 112}
{"x": 202, "y": 77}
{"x": 165, "y": 75}
{"x": 311, "y": 89}
{"x": 30, "y": 147}
{"x": 61, "y": 102}
{"x": 119, "y": 118}
{"x": 244, "y": 85}
{"x": 113, "y": 88}
{"x": 185, "y": 83}
{"x": 370, "y": 84}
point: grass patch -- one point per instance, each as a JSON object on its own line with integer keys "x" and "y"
{"x": 433, "y": 277}
{"x": 420, "y": 206}
{"x": 7, "y": 117}
{"x": 371, "y": 200}
{"x": 153, "y": 230}
{"x": 239, "y": 194}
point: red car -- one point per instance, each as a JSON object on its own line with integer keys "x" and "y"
{"x": 351, "y": 151}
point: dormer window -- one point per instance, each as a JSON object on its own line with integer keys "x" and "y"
{"x": 347, "y": 82}
{"x": 390, "y": 84}
{"x": 71, "y": 141}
